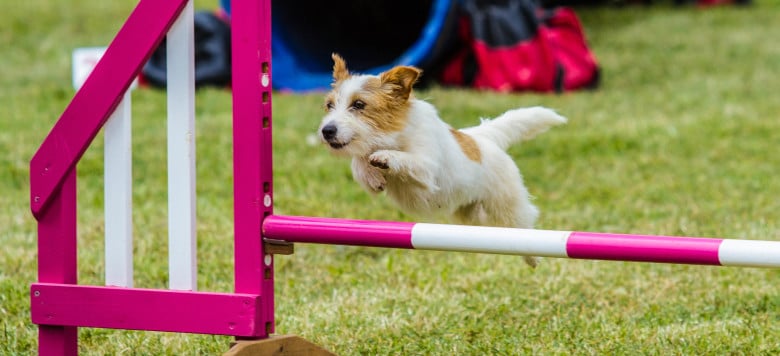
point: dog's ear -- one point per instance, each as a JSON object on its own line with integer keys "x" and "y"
{"x": 400, "y": 80}
{"x": 340, "y": 71}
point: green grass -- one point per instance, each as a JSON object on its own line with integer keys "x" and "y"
{"x": 681, "y": 139}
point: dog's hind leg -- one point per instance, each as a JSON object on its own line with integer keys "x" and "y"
{"x": 525, "y": 215}
{"x": 521, "y": 214}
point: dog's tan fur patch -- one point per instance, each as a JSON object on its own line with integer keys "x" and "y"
{"x": 383, "y": 110}
{"x": 329, "y": 100}
{"x": 399, "y": 80}
{"x": 340, "y": 72}
{"x": 467, "y": 145}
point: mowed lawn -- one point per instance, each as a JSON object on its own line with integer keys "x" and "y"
{"x": 681, "y": 139}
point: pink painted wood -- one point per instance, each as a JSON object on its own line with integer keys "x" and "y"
{"x": 252, "y": 157}
{"x": 53, "y": 168}
{"x": 146, "y": 309}
{"x": 339, "y": 231}
{"x": 58, "y": 305}
{"x": 643, "y": 248}
{"x": 57, "y": 261}
{"x": 98, "y": 97}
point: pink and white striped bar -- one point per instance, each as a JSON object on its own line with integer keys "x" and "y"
{"x": 509, "y": 241}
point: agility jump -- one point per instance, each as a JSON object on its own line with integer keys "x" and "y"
{"x": 59, "y": 305}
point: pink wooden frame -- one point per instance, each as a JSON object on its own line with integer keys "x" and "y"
{"x": 58, "y": 304}
{"x": 252, "y": 156}
{"x": 161, "y": 310}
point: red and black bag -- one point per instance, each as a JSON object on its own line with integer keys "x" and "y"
{"x": 515, "y": 45}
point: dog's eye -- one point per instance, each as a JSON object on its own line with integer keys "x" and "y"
{"x": 329, "y": 105}
{"x": 358, "y": 105}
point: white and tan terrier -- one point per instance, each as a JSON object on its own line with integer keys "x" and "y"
{"x": 399, "y": 145}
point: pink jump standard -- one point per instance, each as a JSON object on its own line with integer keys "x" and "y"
{"x": 58, "y": 305}
{"x": 252, "y": 157}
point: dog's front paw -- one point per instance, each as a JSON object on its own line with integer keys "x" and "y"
{"x": 371, "y": 178}
{"x": 377, "y": 187}
{"x": 376, "y": 182}
{"x": 379, "y": 159}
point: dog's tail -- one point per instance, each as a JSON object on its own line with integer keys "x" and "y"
{"x": 516, "y": 125}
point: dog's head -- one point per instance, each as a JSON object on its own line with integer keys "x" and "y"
{"x": 364, "y": 112}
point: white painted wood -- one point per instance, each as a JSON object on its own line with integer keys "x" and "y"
{"x": 118, "y": 193}
{"x": 484, "y": 239}
{"x": 749, "y": 253}
{"x": 182, "y": 242}
{"x": 84, "y": 61}
{"x": 117, "y": 174}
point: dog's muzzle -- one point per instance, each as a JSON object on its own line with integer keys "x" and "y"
{"x": 329, "y": 133}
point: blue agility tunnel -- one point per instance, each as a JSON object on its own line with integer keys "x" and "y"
{"x": 372, "y": 36}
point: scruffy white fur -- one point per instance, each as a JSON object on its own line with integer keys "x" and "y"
{"x": 406, "y": 150}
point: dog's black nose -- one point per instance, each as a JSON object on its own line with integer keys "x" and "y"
{"x": 329, "y": 131}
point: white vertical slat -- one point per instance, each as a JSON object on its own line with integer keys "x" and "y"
{"x": 182, "y": 263}
{"x": 118, "y": 186}
{"x": 118, "y": 175}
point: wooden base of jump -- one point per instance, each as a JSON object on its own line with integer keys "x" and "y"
{"x": 277, "y": 345}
